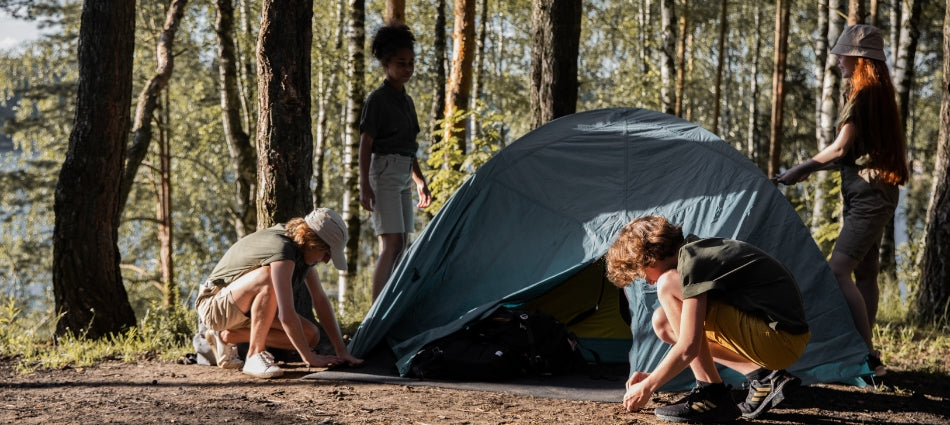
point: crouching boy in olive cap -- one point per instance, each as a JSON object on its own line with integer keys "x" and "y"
{"x": 253, "y": 284}
{"x": 721, "y": 301}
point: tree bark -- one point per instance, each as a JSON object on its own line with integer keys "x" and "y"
{"x": 148, "y": 99}
{"x": 933, "y": 296}
{"x": 556, "y": 30}
{"x": 395, "y": 13}
{"x": 668, "y": 62}
{"x": 460, "y": 78}
{"x": 828, "y": 103}
{"x": 856, "y": 12}
{"x": 753, "y": 133}
{"x": 778, "y": 84}
{"x": 284, "y": 141}
{"x": 681, "y": 60}
{"x": 163, "y": 213}
{"x": 438, "y": 97}
{"x": 243, "y": 156}
{"x": 717, "y": 100}
{"x": 356, "y": 69}
{"x": 479, "y": 67}
{"x": 87, "y": 284}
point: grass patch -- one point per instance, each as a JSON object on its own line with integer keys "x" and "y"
{"x": 914, "y": 348}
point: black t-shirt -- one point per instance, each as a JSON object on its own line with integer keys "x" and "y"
{"x": 743, "y": 276}
{"x": 389, "y": 117}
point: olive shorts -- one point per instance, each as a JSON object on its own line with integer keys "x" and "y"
{"x": 217, "y": 309}
{"x": 868, "y": 205}
{"x": 751, "y": 337}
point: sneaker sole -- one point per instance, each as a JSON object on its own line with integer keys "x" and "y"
{"x": 266, "y": 375}
{"x": 774, "y": 398}
{"x": 231, "y": 364}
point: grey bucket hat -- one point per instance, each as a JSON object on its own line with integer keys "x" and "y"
{"x": 860, "y": 40}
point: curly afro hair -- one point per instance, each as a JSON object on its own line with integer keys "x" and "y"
{"x": 390, "y": 39}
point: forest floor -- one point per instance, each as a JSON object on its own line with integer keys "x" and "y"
{"x": 152, "y": 392}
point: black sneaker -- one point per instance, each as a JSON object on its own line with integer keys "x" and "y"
{"x": 767, "y": 393}
{"x": 709, "y": 404}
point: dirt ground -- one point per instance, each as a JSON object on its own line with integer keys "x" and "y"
{"x": 150, "y": 392}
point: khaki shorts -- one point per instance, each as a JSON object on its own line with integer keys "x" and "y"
{"x": 752, "y": 338}
{"x": 868, "y": 205}
{"x": 217, "y": 309}
{"x": 389, "y": 177}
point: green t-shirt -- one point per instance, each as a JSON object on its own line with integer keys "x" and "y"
{"x": 389, "y": 117}
{"x": 743, "y": 276}
{"x": 259, "y": 249}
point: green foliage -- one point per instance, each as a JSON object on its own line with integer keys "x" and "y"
{"x": 915, "y": 348}
{"x": 164, "y": 332}
{"x": 452, "y": 166}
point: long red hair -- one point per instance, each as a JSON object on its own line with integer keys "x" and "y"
{"x": 871, "y": 105}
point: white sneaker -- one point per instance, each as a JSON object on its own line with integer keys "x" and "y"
{"x": 262, "y": 365}
{"x": 226, "y": 355}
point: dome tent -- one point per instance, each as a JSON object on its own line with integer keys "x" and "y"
{"x": 550, "y": 204}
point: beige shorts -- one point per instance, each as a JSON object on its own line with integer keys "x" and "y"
{"x": 390, "y": 177}
{"x": 752, "y": 338}
{"x": 217, "y": 309}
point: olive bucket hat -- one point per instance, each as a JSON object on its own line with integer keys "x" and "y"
{"x": 860, "y": 40}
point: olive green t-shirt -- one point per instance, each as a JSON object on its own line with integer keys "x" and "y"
{"x": 745, "y": 277}
{"x": 259, "y": 249}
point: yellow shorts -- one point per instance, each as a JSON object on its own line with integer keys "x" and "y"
{"x": 751, "y": 337}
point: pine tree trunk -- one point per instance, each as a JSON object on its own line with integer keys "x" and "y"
{"x": 681, "y": 60}
{"x": 460, "y": 78}
{"x": 438, "y": 97}
{"x": 87, "y": 284}
{"x": 556, "y": 29}
{"x": 243, "y": 156}
{"x": 164, "y": 209}
{"x": 855, "y": 12}
{"x": 479, "y": 68}
{"x": 356, "y": 69}
{"x": 148, "y": 99}
{"x": 284, "y": 140}
{"x": 752, "y": 138}
{"x": 933, "y": 296}
{"x": 668, "y": 62}
{"x": 395, "y": 13}
{"x": 828, "y": 103}
{"x": 778, "y": 84}
{"x": 717, "y": 99}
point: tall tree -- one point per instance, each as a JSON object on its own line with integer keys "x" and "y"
{"x": 668, "y": 61}
{"x": 243, "y": 156}
{"x": 903, "y": 82}
{"x": 933, "y": 295}
{"x": 87, "y": 284}
{"x": 149, "y": 98}
{"x": 782, "y": 8}
{"x": 284, "y": 140}
{"x": 356, "y": 70}
{"x": 856, "y": 12}
{"x": 460, "y": 77}
{"x": 681, "y": 60}
{"x": 327, "y": 77}
{"x": 723, "y": 29}
{"x": 752, "y": 137}
{"x": 163, "y": 207}
{"x": 828, "y": 102}
{"x": 438, "y": 95}
{"x": 395, "y": 12}
{"x": 556, "y": 30}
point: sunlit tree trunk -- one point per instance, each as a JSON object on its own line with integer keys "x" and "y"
{"x": 148, "y": 99}
{"x": 828, "y": 103}
{"x": 243, "y": 156}
{"x": 556, "y": 29}
{"x": 356, "y": 69}
{"x": 164, "y": 209}
{"x": 933, "y": 296}
{"x": 87, "y": 284}
{"x": 717, "y": 99}
{"x": 460, "y": 78}
{"x": 778, "y": 84}
{"x": 395, "y": 13}
{"x": 326, "y": 87}
{"x": 681, "y": 60}
{"x": 438, "y": 96}
{"x": 668, "y": 60}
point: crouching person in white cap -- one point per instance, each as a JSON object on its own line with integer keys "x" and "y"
{"x": 249, "y": 295}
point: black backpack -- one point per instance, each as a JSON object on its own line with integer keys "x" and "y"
{"x": 509, "y": 343}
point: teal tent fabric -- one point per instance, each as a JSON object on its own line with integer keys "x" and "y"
{"x": 553, "y": 201}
